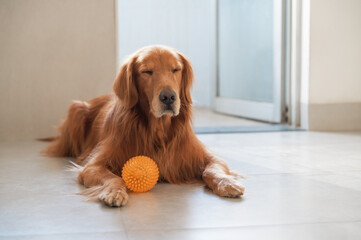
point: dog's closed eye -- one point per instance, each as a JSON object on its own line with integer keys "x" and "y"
{"x": 149, "y": 72}
{"x": 175, "y": 70}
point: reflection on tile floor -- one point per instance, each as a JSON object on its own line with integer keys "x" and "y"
{"x": 299, "y": 185}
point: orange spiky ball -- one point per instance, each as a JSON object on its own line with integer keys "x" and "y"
{"x": 140, "y": 174}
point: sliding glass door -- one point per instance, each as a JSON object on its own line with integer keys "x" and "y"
{"x": 250, "y": 62}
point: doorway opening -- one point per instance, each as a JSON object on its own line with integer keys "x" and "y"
{"x": 238, "y": 50}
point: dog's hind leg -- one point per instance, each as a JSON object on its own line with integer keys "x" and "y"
{"x": 72, "y": 132}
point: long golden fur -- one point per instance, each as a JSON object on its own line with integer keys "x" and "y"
{"x": 149, "y": 113}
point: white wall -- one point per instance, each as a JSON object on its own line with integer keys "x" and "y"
{"x": 335, "y": 51}
{"x": 187, "y": 25}
{"x": 52, "y": 52}
{"x": 334, "y": 83}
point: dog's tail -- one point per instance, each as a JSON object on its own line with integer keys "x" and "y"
{"x": 46, "y": 139}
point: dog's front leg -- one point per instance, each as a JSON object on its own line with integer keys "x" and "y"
{"x": 105, "y": 185}
{"x": 220, "y": 179}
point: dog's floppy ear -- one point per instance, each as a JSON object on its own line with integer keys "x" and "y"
{"x": 124, "y": 84}
{"x": 187, "y": 80}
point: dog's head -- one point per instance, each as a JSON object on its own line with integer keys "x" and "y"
{"x": 157, "y": 76}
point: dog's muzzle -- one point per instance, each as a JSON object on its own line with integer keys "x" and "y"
{"x": 167, "y": 98}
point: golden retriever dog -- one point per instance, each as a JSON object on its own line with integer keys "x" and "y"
{"x": 148, "y": 113}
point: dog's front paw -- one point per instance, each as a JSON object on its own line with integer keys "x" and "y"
{"x": 114, "y": 197}
{"x": 229, "y": 187}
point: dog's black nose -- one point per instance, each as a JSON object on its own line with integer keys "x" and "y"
{"x": 167, "y": 96}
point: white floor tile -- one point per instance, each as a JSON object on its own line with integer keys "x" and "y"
{"x": 204, "y": 117}
{"x": 304, "y": 185}
{"x": 329, "y": 231}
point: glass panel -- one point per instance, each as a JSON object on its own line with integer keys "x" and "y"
{"x": 245, "y": 29}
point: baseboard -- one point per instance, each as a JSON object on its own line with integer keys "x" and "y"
{"x": 334, "y": 117}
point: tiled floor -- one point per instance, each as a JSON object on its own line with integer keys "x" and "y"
{"x": 205, "y": 117}
{"x": 299, "y": 185}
